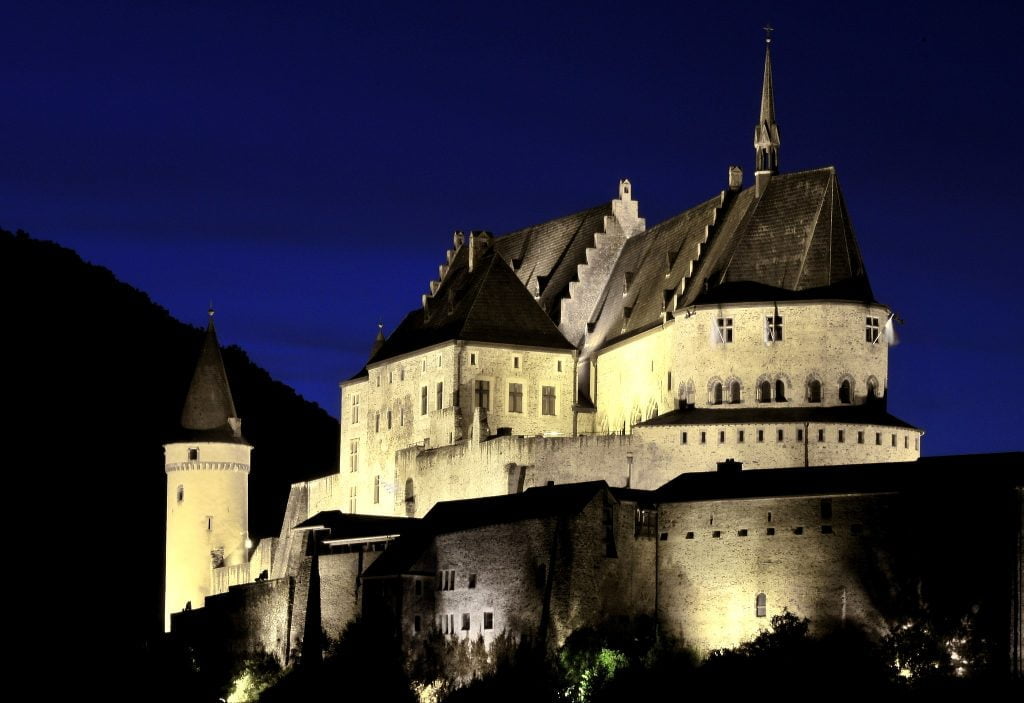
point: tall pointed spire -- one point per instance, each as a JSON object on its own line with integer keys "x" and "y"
{"x": 209, "y": 405}
{"x": 766, "y": 134}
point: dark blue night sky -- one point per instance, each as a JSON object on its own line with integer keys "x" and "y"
{"x": 304, "y": 164}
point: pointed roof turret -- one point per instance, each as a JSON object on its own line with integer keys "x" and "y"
{"x": 378, "y": 341}
{"x": 766, "y": 134}
{"x": 209, "y": 412}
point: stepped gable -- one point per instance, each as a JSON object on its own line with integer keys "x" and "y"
{"x": 795, "y": 242}
{"x": 545, "y": 256}
{"x": 488, "y": 304}
{"x": 654, "y": 261}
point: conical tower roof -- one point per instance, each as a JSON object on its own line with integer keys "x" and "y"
{"x": 209, "y": 412}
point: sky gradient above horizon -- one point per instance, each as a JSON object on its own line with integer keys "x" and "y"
{"x": 304, "y": 167}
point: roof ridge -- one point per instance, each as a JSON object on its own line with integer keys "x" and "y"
{"x": 810, "y": 241}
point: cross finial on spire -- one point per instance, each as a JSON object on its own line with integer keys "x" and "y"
{"x": 210, "y": 311}
{"x": 768, "y": 29}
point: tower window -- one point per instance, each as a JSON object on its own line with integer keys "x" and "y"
{"x": 482, "y": 391}
{"x": 670, "y": 380}
{"x": 703, "y": 437}
{"x": 845, "y": 392}
{"x": 780, "y": 435}
{"x": 440, "y": 394}
{"x": 761, "y": 605}
{"x": 355, "y": 410}
{"x": 472, "y": 359}
{"x": 515, "y": 362}
{"x": 860, "y": 437}
{"x": 488, "y": 621}
{"x": 773, "y": 328}
{"x": 814, "y": 391}
{"x": 871, "y": 330}
{"x": 352, "y": 499}
{"x": 209, "y": 523}
{"x": 181, "y": 493}
{"x": 799, "y": 435}
{"x": 878, "y": 438}
{"x": 682, "y": 438}
{"x": 465, "y": 622}
{"x": 389, "y": 419}
{"x": 821, "y": 435}
{"x": 740, "y": 434}
{"x": 471, "y": 583}
{"x": 548, "y": 400}
{"x": 353, "y": 455}
{"x": 423, "y": 400}
{"x": 558, "y": 366}
{"x": 376, "y": 421}
{"x": 515, "y": 397}
{"x": 721, "y": 437}
{"x": 193, "y": 454}
{"x": 724, "y": 328}
{"x": 760, "y": 435}
{"x": 841, "y": 435}
{"x": 376, "y": 490}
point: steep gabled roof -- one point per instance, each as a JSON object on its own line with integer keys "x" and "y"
{"x": 794, "y": 242}
{"x": 871, "y": 413}
{"x": 545, "y": 256}
{"x": 488, "y": 304}
{"x": 209, "y": 405}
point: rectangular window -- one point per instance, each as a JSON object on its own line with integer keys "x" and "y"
{"x": 760, "y": 435}
{"x": 780, "y": 435}
{"x": 689, "y": 535}
{"x": 391, "y": 377}
{"x": 717, "y": 534}
{"x": 721, "y": 437}
{"x": 799, "y": 435}
{"x": 740, "y": 435}
{"x": 821, "y": 435}
{"x": 547, "y": 400}
{"x": 193, "y": 454}
{"x": 515, "y": 362}
{"x": 906, "y": 442}
{"x": 353, "y": 455}
{"x": 482, "y": 391}
{"x": 423, "y": 400}
{"x": 826, "y": 529}
{"x": 860, "y": 438}
{"x": 440, "y": 395}
{"x": 894, "y": 440}
{"x": 724, "y": 330}
{"x": 401, "y": 374}
{"x": 871, "y": 330}
{"x": 670, "y": 380}
{"x": 376, "y": 490}
{"x": 352, "y": 500}
{"x": 488, "y": 621}
{"x": 355, "y": 410}
{"x": 878, "y": 438}
{"x": 416, "y": 623}
{"x": 209, "y": 523}
{"x": 471, "y": 582}
{"x": 378, "y": 379}
{"x": 465, "y": 622}
{"x": 703, "y": 437}
{"x": 472, "y": 359}
{"x": 773, "y": 328}
{"x": 682, "y": 438}
{"x": 761, "y": 605}
{"x": 401, "y": 416}
{"x": 558, "y": 366}
{"x": 770, "y": 531}
{"x": 389, "y": 419}
{"x": 741, "y": 533}
{"x": 841, "y": 435}
{"x": 798, "y": 530}
{"x": 376, "y": 421}
{"x": 515, "y": 397}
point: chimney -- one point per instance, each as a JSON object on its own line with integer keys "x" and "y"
{"x": 479, "y": 242}
{"x": 735, "y": 178}
{"x": 730, "y": 466}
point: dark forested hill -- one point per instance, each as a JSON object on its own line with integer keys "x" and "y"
{"x": 95, "y": 379}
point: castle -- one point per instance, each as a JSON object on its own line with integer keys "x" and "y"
{"x": 567, "y": 428}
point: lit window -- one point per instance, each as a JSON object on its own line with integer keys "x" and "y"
{"x": 761, "y": 605}
{"x": 515, "y": 397}
{"x": 353, "y": 455}
{"x": 482, "y": 391}
{"x": 355, "y": 410}
{"x": 423, "y": 400}
{"x": 773, "y": 328}
{"x": 871, "y": 330}
{"x": 724, "y": 328}
{"x": 376, "y": 490}
{"x": 440, "y": 395}
{"x": 193, "y": 454}
{"x": 488, "y": 621}
{"x": 547, "y": 400}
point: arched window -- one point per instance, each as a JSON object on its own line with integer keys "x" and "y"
{"x": 764, "y": 392}
{"x": 872, "y": 388}
{"x": 734, "y": 392}
{"x": 845, "y": 393}
{"x": 716, "y": 394}
{"x": 761, "y": 605}
{"x": 814, "y": 391}
{"x": 780, "y": 391}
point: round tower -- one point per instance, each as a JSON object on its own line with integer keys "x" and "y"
{"x": 207, "y": 490}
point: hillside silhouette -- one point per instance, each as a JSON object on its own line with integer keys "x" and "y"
{"x": 96, "y": 378}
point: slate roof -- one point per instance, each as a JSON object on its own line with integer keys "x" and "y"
{"x": 795, "y": 242}
{"x": 767, "y": 413}
{"x": 488, "y": 305}
{"x": 949, "y": 473}
{"x": 209, "y": 404}
{"x": 456, "y": 515}
{"x": 545, "y": 256}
